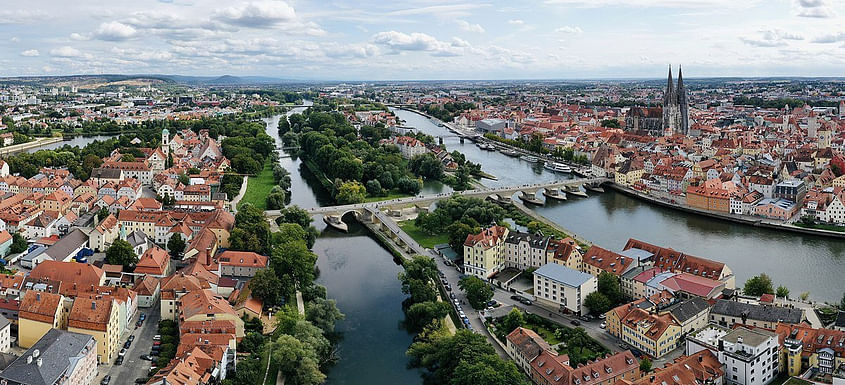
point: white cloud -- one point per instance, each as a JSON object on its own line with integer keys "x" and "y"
{"x": 815, "y": 8}
{"x": 416, "y": 41}
{"x": 567, "y": 29}
{"x": 66, "y": 52}
{"x": 115, "y": 31}
{"x": 452, "y": 10}
{"x": 79, "y": 37}
{"x": 469, "y": 27}
{"x": 652, "y": 3}
{"x": 516, "y": 22}
{"x": 30, "y": 53}
{"x": 21, "y": 16}
{"x": 257, "y": 14}
{"x": 772, "y": 38}
{"x": 762, "y": 43}
{"x": 830, "y": 38}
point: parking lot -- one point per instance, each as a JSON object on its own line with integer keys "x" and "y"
{"x": 133, "y": 366}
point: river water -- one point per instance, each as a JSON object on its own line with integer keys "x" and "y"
{"x": 800, "y": 262}
{"x": 362, "y": 277}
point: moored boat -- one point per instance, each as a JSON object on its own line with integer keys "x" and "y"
{"x": 557, "y": 167}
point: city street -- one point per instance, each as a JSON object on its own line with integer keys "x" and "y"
{"x": 133, "y": 366}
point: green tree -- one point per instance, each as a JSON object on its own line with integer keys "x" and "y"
{"x": 184, "y": 179}
{"x": 611, "y": 123}
{"x": 427, "y": 166}
{"x": 782, "y": 292}
{"x": 102, "y": 213}
{"x": 409, "y": 185}
{"x": 251, "y": 342}
{"x": 374, "y": 188}
{"x": 417, "y": 279}
{"x": 608, "y": 284}
{"x": 127, "y": 158}
{"x": 323, "y": 313}
{"x": 176, "y": 245}
{"x": 458, "y": 232}
{"x": 351, "y": 192}
{"x": 645, "y": 365}
{"x": 18, "y": 244}
{"x": 579, "y": 338}
{"x": 276, "y": 198}
{"x": 488, "y": 370}
{"x": 266, "y": 286}
{"x": 420, "y": 315}
{"x": 512, "y": 320}
{"x": 294, "y": 263}
{"x": 297, "y": 361}
{"x": 758, "y": 285}
{"x": 121, "y": 253}
{"x": 534, "y": 227}
{"x": 597, "y": 302}
{"x": 477, "y": 291}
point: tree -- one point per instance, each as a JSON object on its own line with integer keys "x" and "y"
{"x": 19, "y": 244}
{"x": 294, "y": 264}
{"x": 297, "y": 361}
{"x": 782, "y": 292}
{"x": 488, "y": 370}
{"x": 251, "y": 342}
{"x": 416, "y": 280}
{"x": 458, "y": 232}
{"x": 266, "y": 286}
{"x": 427, "y": 166}
{"x": 374, "y": 188}
{"x": 121, "y": 253}
{"x": 102, "y": 213}
{"x": 408, "y": 185}
{"x": 351, "y": 192}
{"x": 512, "y": 320}
{"x": 805, "y": 296}
{"x": 611, "y": 123}
{"x": 323, "y": 313}
{"x": 579, "y": 338}
{"x": 295, "y": 214}
{"x": 176, "y": 245}
{"x": 276, "y": 199}
{"x": 597, "y": 302}
{"x": 758, "y": 285}
{"x": 420, "y": 315}
{"x": 533, "y": 227}
{"x": 608, "y": 284}
{"x": 477, "y": 291}
{"x": 127, "y": 158}
{"x": 645, "y": 365}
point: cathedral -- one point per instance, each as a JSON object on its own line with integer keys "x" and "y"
{"x": 675, "y": 107}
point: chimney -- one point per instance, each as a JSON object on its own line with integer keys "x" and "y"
{"x": 93, "y": 305}
{"x": 38, "y": 296}
{"x": 700, "y": 358}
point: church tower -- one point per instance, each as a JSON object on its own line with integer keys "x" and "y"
{"x": 165, "y": 142}
{"x": 675, "y": 106}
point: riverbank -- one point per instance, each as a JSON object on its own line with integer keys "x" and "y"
{"x": 16, "y": 148}
{"x": 756, "y": 222}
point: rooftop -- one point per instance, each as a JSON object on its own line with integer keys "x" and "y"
{"x": 563, "y": 274}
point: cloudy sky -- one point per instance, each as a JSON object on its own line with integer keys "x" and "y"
{"x": 424, "y": 39}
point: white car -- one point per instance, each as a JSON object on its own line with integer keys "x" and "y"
{"x": 603, "y": 325}
{"x": 462, "y": 314}
{"x": 122, "y": 352}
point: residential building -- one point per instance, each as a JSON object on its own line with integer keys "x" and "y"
{"x": 727, "y": 313}
{"x": 669, "y": 259}
{"x": 484, "y": 253}
{"x": 700, "y": 368}
{"x": 805, "y": 347}
{"x": 58, "y": 358}
{"x": 5, "y": 334}
{"x": 544, "y": 366}
{"x": 597, "y": 260}
{"x": 97, "y": 317}
{"x": 39, "y": 312}
{"x": 750, "y": 356}
{"x": 241, "y": 263}
{"x": 524, "y": 250}
{"x": 560, "y": 288}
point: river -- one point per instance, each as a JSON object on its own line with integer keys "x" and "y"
{"x": 802, "y": 263}
{"x": 362, "y": 277}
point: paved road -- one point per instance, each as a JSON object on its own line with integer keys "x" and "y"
{"x": 133, "y": 366}
{"x": 234, "y": 202}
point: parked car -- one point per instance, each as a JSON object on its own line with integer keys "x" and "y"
{"x": 131, "y": 338}
{"x": 122, "y": 352}
{"x": 575, "y": 322}
{"x": 462, "y": 314}
{"x": 143, "y": 316}
{"x": 525, "y": 301}
{"x": 157, "y": 337}
{"x": 106, "y": 380}
{"x": 156, "y": 343}
{"x": 119, "y": 360}
{"x": 146, "y": 357}
{"x": 448, "y": 288}
{"x": 492, "y": 303}
{"x": 452, "y": 295}
{"x": 516, "y": 298}
{"x": 602, "y": 316}
{"x": 127, "y": 344}
{"x": 142, "y": 380}
{"x": 636, "y": 353}
{"x": 154, "y": 353}
{"x": 603, "y": 325}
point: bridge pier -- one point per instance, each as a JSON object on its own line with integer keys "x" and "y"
{"x": 576, "y": 191}
{"x": 553, "y": 193}
{"x": 530, "y": 197}
{"x": 336, "y": 222}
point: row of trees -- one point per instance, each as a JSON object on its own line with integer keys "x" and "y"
{"x": 448, "y": 111}
{"x": 459, "y": 216}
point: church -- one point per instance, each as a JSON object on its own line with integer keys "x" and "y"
{"x": 675, "y": 106}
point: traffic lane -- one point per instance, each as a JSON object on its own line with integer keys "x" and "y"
{"x": 453, "y": 276}
{"x": 133, "y": 366}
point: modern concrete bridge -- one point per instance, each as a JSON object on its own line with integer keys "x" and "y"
{"x": 559, "y": 190}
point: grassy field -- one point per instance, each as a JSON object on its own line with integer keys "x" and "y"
{"x": 389, "y": 196}
{"x": 424, "y": 239}
{"x": 258, "y": 187}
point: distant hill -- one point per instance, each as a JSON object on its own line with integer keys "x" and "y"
{"x": 108, "y": 79}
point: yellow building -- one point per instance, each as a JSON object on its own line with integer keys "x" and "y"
{"x": 205, "y": 305}
{"x": 629, "y": 173}
{"x": 484, "y": 253}
{"x": 652, "y": 334}
{"x": 806, "y": 348}
{"x": 39, "y": 312}
{"x": 97, "y": 317}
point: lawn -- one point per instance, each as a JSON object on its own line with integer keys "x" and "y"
{"x": 424, "y": 239}
{"x": 389, "y": 196}
{"x": 258, "y": 187}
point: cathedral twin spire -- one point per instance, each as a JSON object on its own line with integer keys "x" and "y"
{"x": 675, "y": 106}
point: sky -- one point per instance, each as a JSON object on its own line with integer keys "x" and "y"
{"x": 424, "y": 39}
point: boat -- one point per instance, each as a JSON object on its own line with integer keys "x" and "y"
{"x": 557, "y": 167}
{"x": 487, "y": 147}
{"x": 529, "y": 158}
{"x": 511, "y": 153}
